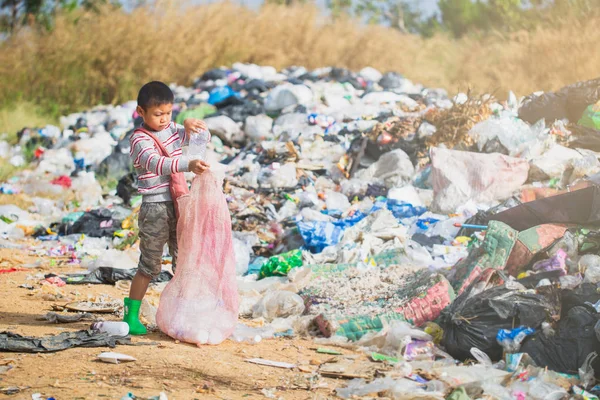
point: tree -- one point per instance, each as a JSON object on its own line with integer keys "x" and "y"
{"x": 460, "y": 16}
{"x": 16, "y": 10}
{"x": 14, "y": 13}
{"x": 398, "y": 14}
{"x": 339, "y": 8}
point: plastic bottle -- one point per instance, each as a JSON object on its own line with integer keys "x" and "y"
{"x": 198, "y": 142}
{"x": 113, "y": 328}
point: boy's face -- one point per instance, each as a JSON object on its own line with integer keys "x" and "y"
{"x": 156, "y": 118}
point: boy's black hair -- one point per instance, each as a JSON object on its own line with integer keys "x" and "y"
{"x": 154, "y": 94}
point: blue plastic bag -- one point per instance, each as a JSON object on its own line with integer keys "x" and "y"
{"x": 318, "y": 234}
{"x": 511, "y": 340}
{"x": 220, "y": 94}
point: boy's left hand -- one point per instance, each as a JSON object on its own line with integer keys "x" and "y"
{"x": 194, "y": 125}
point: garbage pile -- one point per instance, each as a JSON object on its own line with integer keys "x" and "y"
{"x": 455, "y": 241}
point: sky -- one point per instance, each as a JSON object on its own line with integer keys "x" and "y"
{"x": 428, "y": 7}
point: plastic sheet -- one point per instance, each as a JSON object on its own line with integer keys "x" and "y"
{"x": 200, "y": 304}
{"x": 278, "y": 304}
{"x": 483, "y": 178}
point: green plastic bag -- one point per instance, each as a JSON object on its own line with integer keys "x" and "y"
{"x": 282, "y": 264}
{"x": 591, "y": 117}
{"x": 200, "y": 112}
{"x": 71, "y": 218}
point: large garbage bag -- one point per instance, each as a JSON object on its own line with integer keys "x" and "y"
{"x": 569, "y": 102}
{"x": 580, "y": 207}
{"x": 200, "y": 304}
{"x": 574, "y": 340}
{"x": 95, "y": 223}
{"x": 585, "y": 293}
{"x": 473, "y": 320}
{"x": 548, "y": 106}
{"x": 110, "y": 276}
{"x": 119, "y": 162}
{"x": 579, "y": 96}
{"x": 127, "y": 187}
{"x": 460, "y": 176}
{"x": 584, "y": 138}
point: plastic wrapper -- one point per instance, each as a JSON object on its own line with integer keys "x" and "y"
{"x": 200, "y": 304}
{"x": 278, "y": 304}
{"x": 282, "y": 264}
{"x": 459, "y": 176}
{"x": 511, "y": 340}
{"x": 512, "y": 133}
{"x": 591, "y": 117}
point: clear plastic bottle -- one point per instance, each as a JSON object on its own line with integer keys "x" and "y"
{"x": 198, "y": 142}
{"x": 113, "y": 328}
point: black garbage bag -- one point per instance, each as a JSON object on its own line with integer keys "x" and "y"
{"x": 119, "y": 162}
{"x": 474, "y": 320}
{"x": 495, "y": 146}
{"x": 579, "y": 207}
{"x": 214, "y": 74}
{"x": 239, "y": 112}
{"x": 110, "y": 276}
{"x": 579, "y": 96}
{"x": 569, "y": 102}
{"x": 96, "y": 223}
{"x": 583, "y": 137}
{"x": 391, "y": 80}
{"x": 574, "y": 340}
{"x": 585, "y": 293}
{"x": 548, "y": 106}
{"x": 257, "y": 85}
{"x": 127, "y": 187}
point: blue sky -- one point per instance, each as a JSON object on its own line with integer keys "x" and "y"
{"x": 426, "y": 6}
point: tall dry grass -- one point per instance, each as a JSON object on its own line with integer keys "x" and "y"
{"x": 105, "y": 58}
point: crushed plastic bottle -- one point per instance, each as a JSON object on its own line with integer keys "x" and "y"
{"x": 250, "y": 335}
{"x": 198, "y": 142}
{"x": 113, "y": 328}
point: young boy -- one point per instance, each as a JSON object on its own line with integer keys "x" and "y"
{"x": 157, "y": 221}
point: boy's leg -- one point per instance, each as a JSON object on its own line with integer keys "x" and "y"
{"x": 154, "y": 234}
{"x": 139, "y": 286}
{"x": 172, "y": 235}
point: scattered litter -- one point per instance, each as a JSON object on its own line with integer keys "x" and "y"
{"x": 363, "y": 207}
{"x": 269, "y": 363}
{"x": 56, "y": 318}
{"x": 115, "y": 358}
{"x": 66, "y": 340}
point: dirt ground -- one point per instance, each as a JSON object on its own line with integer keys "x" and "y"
{"x": 180, "y": 370}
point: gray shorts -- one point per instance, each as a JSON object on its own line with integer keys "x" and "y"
{"x": 158, "y": 226}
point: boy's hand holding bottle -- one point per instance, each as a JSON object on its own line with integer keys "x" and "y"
{"x": 193, "y": 125}
{"x": 199, "y": 137}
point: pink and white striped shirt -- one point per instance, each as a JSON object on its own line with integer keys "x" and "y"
{"x": 154, "y": 170}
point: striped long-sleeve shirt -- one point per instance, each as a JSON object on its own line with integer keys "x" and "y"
{"x": 154, "y": 170}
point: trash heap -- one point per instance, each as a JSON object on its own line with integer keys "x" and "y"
{"x": 455, "y": 241}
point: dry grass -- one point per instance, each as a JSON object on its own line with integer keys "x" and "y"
{"x": 105, "y": 58}
{"x": 20, "y": 115}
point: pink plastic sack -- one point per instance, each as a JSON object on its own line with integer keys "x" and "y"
{"x": 200, "y": 304}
